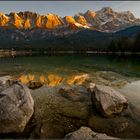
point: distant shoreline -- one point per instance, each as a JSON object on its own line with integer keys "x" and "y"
{"x": 8, "y": 53}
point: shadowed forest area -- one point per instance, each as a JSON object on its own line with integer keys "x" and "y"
{"x": 125, "y": 44}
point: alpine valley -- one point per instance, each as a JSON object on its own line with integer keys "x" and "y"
{"x": 103, "y": 31}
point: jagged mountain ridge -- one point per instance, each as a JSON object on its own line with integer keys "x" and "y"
{"x": 103, "y": 20}
{"x": 91, "y": 30}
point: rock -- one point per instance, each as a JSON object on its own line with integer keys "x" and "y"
{"x": 108, "y": 101}
{"x": 74, "y": 93}
{"x": 91, "y": 87}
{"x": 34, "y": 84}
{"x": 5, "y": 79}
{"x": 60, "y": 109}
{"x": 16, "y": 107}
{"x": 109, "y": 78}
{"x": 119, "y": 126}
{"x": 85, "y": 133}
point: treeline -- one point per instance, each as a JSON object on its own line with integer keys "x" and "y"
{"x": 81, "y": 42}
{"x": 125, "y": 44}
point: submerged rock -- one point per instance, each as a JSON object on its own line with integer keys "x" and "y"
{"x": 109, "y": 78}
{"x": 120, "y": 126}
{"x": 16, "y": 106}
{"x": 108, "y": 101}
{"x": 85, "y": 133}
{"x": 60, "y": 110}
{"x": 34, "y": 84}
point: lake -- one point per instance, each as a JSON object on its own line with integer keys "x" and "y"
{"x": 65, "y": 65}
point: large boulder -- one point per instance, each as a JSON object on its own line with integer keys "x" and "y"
{"x": 16, "y": 106}
{"x": 108, "y": 101}
{"x": 85, "y": 133}
{"x": 60, "y": 110}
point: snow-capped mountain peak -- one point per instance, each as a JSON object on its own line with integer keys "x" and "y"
{"x": 105, "y": 19}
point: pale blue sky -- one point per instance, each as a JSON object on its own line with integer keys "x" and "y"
{"x": 63, "y": 8}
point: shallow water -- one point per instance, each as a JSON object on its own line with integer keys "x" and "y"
{"x": 132, "y": 92}
{"x": 70, "y": 64}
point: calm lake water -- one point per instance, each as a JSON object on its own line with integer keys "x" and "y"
{"x": 70, "y": 64}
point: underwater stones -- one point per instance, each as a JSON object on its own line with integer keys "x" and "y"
{"x": 57, "y": 108}
{"x": 118, "y": 126}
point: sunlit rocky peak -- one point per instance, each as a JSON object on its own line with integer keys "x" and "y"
{"x": 81, "y": 19}
{"x": 3, "y": 19}
{"x": 91, "y": 13}
{"x": 69, "y": 19}
{"x": 53, "y": 21}
{"x": 17, "y": 20}
{"x": 107, "y": 10}
{"x": 104, "y": 20}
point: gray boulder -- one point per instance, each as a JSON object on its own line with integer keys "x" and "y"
{"x": 16, "y": 106}
{"x": 108, "y": 101}
{"x": 85, "y": 133}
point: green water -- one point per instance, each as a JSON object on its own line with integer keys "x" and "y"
{"x": 70, "y": 64}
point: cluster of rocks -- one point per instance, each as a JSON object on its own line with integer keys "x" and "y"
{"x": 66, "y": 112}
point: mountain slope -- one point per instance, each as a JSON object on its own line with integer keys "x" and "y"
{"x": 108, "y": 20}
{"x": 77, "y": 40}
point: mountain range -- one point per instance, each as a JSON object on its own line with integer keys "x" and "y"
{"x": 92, "y": 30}
{"x": 104, "y": 20}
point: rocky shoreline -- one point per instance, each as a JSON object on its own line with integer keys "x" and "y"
{"x": 90, "y": 111}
